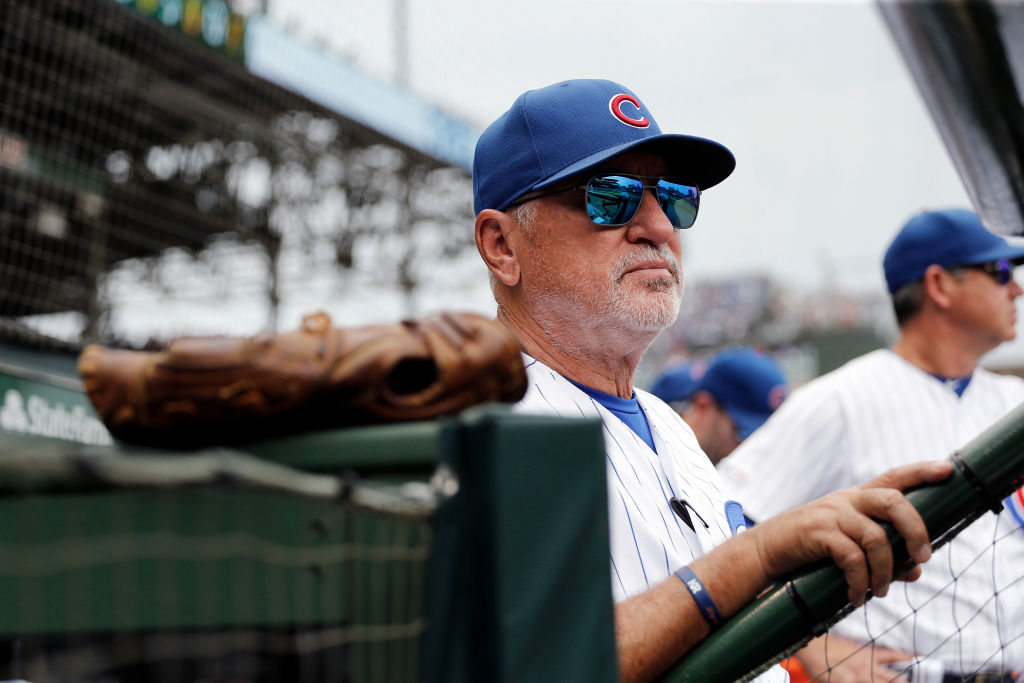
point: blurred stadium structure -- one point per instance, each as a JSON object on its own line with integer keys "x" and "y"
{"x": 809, "y": 333}
{"x": 159, "y": 155}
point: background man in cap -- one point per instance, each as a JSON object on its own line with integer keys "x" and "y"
{"x": 953, "y": 294}
{"x": 725, "y": 400}
{"x": 579, "y": 200}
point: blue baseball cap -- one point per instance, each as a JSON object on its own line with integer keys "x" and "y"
{"x": 747, "y": 384}
{"x": 553, "y": 133}
{"x": 948, "y": 238}
{"x": 679, "y": 383}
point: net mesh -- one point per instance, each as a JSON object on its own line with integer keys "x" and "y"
{"x": 152, "y": 186}
{"x": 963, "y": 618}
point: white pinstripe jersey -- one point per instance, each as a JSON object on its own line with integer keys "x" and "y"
{"x": 877, "y": 412}
{"x": 647, "y": 540}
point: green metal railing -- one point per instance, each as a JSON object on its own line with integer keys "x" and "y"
{"x": 784, "y": 619}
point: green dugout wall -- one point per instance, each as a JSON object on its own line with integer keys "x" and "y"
{"x": 115, "y": 559}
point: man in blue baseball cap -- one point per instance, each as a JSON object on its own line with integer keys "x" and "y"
{"x": 952, "y": 238}
{"x": 678, "y": 383}
{"x": 580, "y": 199}
{"x": 954, "y": 298}
{"x": 725, "y": 400}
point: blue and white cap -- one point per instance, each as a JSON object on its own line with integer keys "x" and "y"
{"x": 746, "y": 383}
{"x": 553, "y": 133}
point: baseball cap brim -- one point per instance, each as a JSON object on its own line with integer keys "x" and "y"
{"x": 1007, "y": 251}
{"x": 699, "y": 161}
{"x": 949, "y": 238}
{"x": 1003, "y": 251}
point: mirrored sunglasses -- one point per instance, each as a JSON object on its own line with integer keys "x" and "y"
{"x": 613, "y": 199}
{"x": 1001, "y": 270}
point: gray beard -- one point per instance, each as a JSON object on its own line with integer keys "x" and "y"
{"x": 640, "y": 313}
{"x": 626, "y": 315}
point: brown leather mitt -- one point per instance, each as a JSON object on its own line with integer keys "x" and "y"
{"x": 219, "y": 390}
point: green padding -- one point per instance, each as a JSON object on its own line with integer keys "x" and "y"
{"x": 776, "y": 624}
{"x": 533, "y": 589}
{"x": 405, "y": 445}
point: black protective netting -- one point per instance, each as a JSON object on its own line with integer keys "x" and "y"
{"x": 151, "y": 186}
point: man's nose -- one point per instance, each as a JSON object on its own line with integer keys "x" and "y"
{"x": 650, "y": 222}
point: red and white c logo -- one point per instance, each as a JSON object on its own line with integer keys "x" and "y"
{"x": 615, "y": 105}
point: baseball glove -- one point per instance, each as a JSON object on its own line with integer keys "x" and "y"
{"x": 222, "y": 390}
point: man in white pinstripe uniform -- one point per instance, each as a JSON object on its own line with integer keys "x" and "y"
{"x": 579, "y": 198}
{"x": 953, "y": 292}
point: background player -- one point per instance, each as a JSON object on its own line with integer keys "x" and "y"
{"x": 726, "y": 399}
{"x": 579, "y": 199}
{"x": 954, "y": 298}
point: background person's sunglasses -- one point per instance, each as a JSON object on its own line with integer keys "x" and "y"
{"x": 613, "y": 199}
{"x": 1001, "y": 270}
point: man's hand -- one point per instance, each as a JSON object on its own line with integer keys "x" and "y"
{"x": 838, "y": 660}
{"x": 843, "y": 526}
{"x": 658, "y": 626}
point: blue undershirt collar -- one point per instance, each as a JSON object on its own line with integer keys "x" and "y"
{"x": 957, "y": 384}
{"x": 626, "y": 409}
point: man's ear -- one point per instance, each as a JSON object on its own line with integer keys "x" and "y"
{"x": 703, "y": 401}
{"x": 492, "y": 231}
{"x": 937, "y": 283}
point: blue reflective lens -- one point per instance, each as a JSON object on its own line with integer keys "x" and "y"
{"x": 679, "y": 202}
{"x": 613, "y": 200}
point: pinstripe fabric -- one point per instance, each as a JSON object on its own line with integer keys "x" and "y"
{"x": 876, "y": 412}
{"x": 647, "y": 540}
